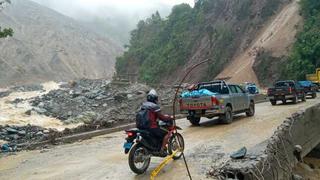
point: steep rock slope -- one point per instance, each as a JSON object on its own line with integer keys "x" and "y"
{"x": 276, "y": 39}
{"x": 49, "y": 46}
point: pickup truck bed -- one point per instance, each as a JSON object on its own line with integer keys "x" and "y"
{"x": 309, "y": 88}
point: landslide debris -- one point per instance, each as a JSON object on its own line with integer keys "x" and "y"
{"x": 87, "y": 104}
{"x": 94, "y": 102}
{"x": 14, "y": 135}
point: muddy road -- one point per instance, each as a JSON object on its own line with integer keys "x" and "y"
{"x": 103, "y": 158}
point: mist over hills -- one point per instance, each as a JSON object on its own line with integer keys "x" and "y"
{"x": 111, "y": 18}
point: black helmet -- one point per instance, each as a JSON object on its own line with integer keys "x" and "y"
{"x": 152, "y": 96}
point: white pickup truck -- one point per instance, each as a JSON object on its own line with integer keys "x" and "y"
{"x": 229, "y": 99}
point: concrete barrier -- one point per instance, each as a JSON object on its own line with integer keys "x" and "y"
{"x": 275, "y": 158}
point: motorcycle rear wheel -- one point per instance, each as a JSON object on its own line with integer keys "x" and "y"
{"x": 139, "y": 155}
{"x": 176, "y": 143}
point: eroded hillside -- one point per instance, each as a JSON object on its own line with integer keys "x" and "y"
{"x": 275, "y": 39}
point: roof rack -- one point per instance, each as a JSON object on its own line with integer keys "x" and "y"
{"x": 221, "y": 82}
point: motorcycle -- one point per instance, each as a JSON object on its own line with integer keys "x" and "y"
{"x": 141, "y": 146}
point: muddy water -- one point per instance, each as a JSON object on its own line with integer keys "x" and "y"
{"x": 103, "y": 157}
{"x": 15, "y": 114}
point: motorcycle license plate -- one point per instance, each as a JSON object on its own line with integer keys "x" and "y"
{"x": 127, "y": 145}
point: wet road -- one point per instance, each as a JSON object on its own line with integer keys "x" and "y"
{"x": 103, "y": 158}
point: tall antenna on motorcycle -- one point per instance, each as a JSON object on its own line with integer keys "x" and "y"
{"x": 174, "y": 105}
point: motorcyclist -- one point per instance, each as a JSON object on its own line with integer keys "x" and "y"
{"x": 154, "y": 114}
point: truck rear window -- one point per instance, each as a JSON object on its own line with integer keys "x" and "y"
{"x": 284, "y": 84}
{"x": 215, "y": 88}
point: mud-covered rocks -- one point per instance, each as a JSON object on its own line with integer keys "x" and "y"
{"x": 17, "y": 134}
{"x": 92, "y": 102}
{"x": 27, "y": 88}
{"x": 14, "y": 135}
{"x": 5, "y": 93}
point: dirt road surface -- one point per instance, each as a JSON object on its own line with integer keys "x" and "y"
{"x": 103, "y": 158}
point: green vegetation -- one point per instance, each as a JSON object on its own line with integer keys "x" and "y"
{"x": 6, "y": 32}
{"x": 270, "y": 8}
{"x": 158, "y": 46}
{"x": 305, "y": 56}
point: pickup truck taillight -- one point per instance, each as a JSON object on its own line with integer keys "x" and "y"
{"x": 290, "y": 90}
{"x": 269, "y": 91}
{"x": 215, "y": 101}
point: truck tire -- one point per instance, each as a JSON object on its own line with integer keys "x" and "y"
{"x": 195, "y": 120}
{"x": 273, "y": 102}
{"x": 250, "y": 112}
{"x": 314, "y": 95}
{"x": 227, "y": 117}
{"x": 295, "y": 99}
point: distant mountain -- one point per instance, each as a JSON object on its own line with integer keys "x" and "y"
{"x": 111, "y": 18}
{"x": 50, "y": 46}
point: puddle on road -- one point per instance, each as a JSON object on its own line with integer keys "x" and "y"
{"x": 14, "y": 114}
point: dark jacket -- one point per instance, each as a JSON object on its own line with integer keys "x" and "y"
{"x": 155, "y": 114}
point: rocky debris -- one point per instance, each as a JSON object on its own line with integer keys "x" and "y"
{"x": 16, "y": 138}
{"x": 16, "y": 101}
{"x": 297, "y": 177}
{"x": 166, "y": 95}
{"x": 27, "y": 88}
{"x": 94, "y": 102}
{"x": 5, "y": 93}
{"x": 15, "y": 135}
{"x": 241, "y": 153}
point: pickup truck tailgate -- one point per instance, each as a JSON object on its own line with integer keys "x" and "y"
{"x": 279, "y": 91}
{"x": 207, "y": 102}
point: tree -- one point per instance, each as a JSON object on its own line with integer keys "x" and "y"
{"x": 7, "y": 31}
{"x": 305, "y": 56}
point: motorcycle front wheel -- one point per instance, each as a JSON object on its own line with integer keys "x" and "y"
{"x": 176, "y": 143}
{"x": 139, "y": 159}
